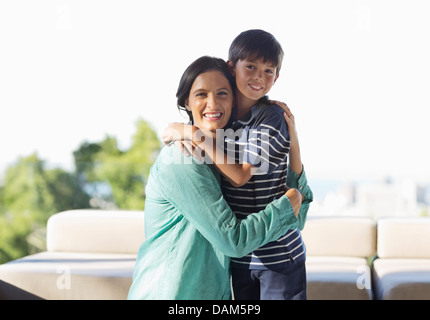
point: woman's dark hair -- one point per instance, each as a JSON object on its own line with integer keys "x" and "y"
{"x": 256, "y": 44}
{"x": 201, "y": 65}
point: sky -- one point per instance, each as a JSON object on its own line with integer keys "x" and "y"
{"x": 356, "y": 75}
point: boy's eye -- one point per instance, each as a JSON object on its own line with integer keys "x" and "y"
{"x": 250, "y": 67}
{"x": 269, "y": 71}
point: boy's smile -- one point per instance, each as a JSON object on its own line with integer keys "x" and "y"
{"x": 256, "y": 88}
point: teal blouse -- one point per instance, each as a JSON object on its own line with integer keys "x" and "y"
{"x": 191, "y": 232}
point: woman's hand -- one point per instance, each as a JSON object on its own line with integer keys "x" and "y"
{"x": 289, "y": 119}
{"x": 295, "y": 158}
{"x": 295, "y": 198}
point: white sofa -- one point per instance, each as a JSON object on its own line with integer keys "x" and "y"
{"x": 90, "y": 255}
{"x": 338, "y": 251}
{"x": 402, "y": 270}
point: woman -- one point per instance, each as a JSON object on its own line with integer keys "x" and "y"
{"x": 191, "y": 232}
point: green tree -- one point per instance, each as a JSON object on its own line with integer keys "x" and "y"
{"x": 124, "y": 171}
{"x": 30, "y": 195}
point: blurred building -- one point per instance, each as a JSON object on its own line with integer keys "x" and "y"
{"x": 402, "y": 198}
{"x": 388, "y": 198}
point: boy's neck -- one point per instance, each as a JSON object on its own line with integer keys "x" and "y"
{"x": 243, "y": 105}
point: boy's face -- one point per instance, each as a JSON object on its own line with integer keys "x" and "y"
{"x": 254, "y": 78}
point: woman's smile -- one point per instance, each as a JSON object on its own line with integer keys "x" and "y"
{"x": 210, "y": 100}
{"x": 212, "y": 116}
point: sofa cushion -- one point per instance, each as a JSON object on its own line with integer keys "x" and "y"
{"x": 338, "y": 278}
{"x": 69, "y": 275}
{"x": 113, "y": 231}
{"x": 404, "y": 238}
{"x": 340, "y": 236}
{"x": 401, "y": 279}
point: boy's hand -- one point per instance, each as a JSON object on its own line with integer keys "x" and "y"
{"x": 185, "y": 146}
{"x": 295, "y": 198}
{"x": 177, "y": 131}
{"x": 188, "y": 148}
{"x": 181, "y": 135}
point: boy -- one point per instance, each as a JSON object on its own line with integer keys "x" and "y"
{"x": 260, "y": 148}
{"x": 275, "y": 271}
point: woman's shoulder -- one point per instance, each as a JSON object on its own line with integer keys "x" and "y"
{"x": 172, "y": 155}
{"x": 173, "y": 161}
{"x": 174, "y": 170}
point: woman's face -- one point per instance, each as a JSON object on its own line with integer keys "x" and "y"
{"x": 210, "y": 100}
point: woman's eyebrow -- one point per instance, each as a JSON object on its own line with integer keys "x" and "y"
{"x": 223, "y": 88}
{"x": 199, "y": 89}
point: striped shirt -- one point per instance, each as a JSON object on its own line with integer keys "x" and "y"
{"x": 261, "y": 139}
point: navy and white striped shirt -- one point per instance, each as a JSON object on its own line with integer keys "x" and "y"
{"x": 261, "y": 139}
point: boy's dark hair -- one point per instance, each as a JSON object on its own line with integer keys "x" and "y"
{"x": 199, "y": 66}
{"x": 256, "y": 44}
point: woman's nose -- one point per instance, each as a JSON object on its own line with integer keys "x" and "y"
{"x": 211, "y": 102}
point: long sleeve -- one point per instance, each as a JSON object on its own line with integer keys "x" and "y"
{"x": 194, "y": 191}
{"x": 301, "y": 184}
